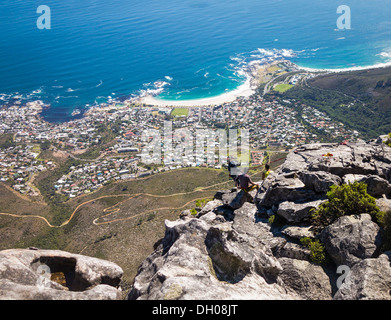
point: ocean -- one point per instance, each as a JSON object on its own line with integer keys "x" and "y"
{"x": 98, "y": 50}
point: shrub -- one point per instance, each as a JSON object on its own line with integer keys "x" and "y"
{"x": 317, "y": 250}
{"x": 384, "y": 220}
{"x": 388, "y": 141}
{"x": 276, "y": 221}
{"x": 347, "y": 199}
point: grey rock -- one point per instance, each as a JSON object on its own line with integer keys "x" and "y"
{"x": 308, "y": 280}
{"x": 377, "y": 186}
{"x": 210, "y": 206}
{"x": 297, "y": 232}
{"x": 234, "y": 200}
{"x": 319, "y": 181}
{"x": 369, "y": 279}
{"x": 200, "y": 261}
{"x": 297, "y": 212}
{"x": 351, "y": 239}
{"x": 29, "y": 275}
{"x": 286, "y": 188}
{"x": 384, "y": 204}
{"x": 351, "y": 178}
{"x": 293, "y": 251}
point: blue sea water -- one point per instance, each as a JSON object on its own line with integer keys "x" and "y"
{"x": 183, "y": 49}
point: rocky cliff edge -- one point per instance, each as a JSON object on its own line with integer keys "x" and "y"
{"x": 229, "y": 250}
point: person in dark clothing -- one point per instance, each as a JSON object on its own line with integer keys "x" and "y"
{"x": 245, "y": 183}
{"x": 233, "y": 170}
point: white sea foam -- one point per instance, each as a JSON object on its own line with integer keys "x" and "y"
{"x": 385, "y": 54}
{"x": 244, "y": 90}
{"x": 356, "y": 68}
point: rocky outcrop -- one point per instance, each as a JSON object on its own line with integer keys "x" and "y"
{"x": 297, "y": 212}
{"x": 351, "y": 239}
{"x": 208, "y": 258}
{"x": 231, "y": 250}
{"x": 310, "y": 170}
{"x": 370, "y": 279}
{"x": 32, "y": 274}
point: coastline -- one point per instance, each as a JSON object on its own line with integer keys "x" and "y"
{"x": 244, "y": 90}
{"x": 349, "y": 69}
{"x": 255, "y": 73}
{"x": 248, "y": 88}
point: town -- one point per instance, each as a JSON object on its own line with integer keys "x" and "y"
{"x": 111, "y": 140}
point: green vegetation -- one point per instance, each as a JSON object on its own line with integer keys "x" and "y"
{"x": 276, "y": 221}
{"x": 347, "y": 199}
{"x": 282, "y": 87}
{"x": 201, "y": 202}
{"x": 317, "y": 250}
{"x": 7, "y": 141}
{"x": 180, "y": 112}
{"x": 388, "y": 141}
{"x": 384, "y": 220}
{"x": 361, "y": 99}
{"x": 59, "y": 209}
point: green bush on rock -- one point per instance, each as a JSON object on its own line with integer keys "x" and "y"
{"x": 384, "y": 220}
{"x": 317, "y": 250}
{"x": 346, "y": 199}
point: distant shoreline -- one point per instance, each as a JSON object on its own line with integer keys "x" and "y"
{"x": 244, "y": 90}
{"x": 349, "y": 69}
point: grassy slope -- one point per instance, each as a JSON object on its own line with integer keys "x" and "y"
{"x": 138, "y": 224}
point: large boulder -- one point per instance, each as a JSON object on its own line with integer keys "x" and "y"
{"x": 297, "y": 212}
{"x": 57, "y": 275}
{"x": 308, "y": 280}
{"x": 200, "y": 259}
{"x": 376, "y": 186}
{"x": 319, "y": 181}
{"x": 210, "y": 206}
{"x": 369, "y": 279}
{"x": 285, "y": 188}
{"x": 234, "y": 199}
{"x": 351, "y": 239}
{"x": 384, "y": 204}
{"x": 364, "y": 158}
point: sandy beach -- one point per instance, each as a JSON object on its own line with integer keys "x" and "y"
{"x": 245, "y": 90}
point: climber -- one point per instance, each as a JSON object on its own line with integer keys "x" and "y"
{"x": 267, "y": 172}
{"x": 233, "y": 169}
{"x": 244, "y": 182}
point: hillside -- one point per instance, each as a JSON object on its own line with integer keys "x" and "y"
{"x": 281, "y": 242}
{"x": 120, "y": 222}
{"x": 359, "y": 99}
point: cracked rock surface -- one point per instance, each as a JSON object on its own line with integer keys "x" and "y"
{"x": 33, "y": 274}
